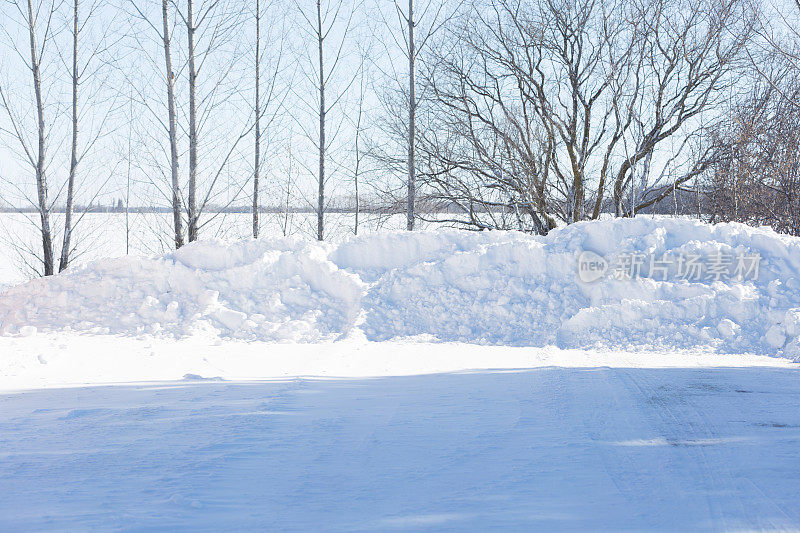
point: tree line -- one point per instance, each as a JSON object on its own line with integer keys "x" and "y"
{"x": 500, "y": 114}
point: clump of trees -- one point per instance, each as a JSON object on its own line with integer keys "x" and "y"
{"x": 542, "y": 113}
{"x": 756, "y": 179}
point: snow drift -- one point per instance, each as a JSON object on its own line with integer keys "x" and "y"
{"x": 488, "y": 288}
{"x": 274, "y": 290}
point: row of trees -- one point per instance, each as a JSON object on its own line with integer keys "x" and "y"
{"x": 505, "y": 114}
{"x": 196, "y": 92}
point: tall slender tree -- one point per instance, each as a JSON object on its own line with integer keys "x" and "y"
{"x": 73, "y": 162}
{"x": 41, "y": 178}
{"x": 322, "y": 111}
{"x": 191, "y": 208}
{"x": 38, "y": 22}
{"x": 257, "y": 107}
{"x": 172, "y": 128}
{"x": 409, "y": 33}
{"x": 332, "y": 21}
{"x": 412, "y": 122}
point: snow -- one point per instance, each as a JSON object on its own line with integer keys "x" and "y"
{"x": 435, "y": 380}
{"x": 269, "y": 290}
{"x": 67, "y": 359}
{"x": 495, "y": 288}
{"x": 440, "y": 437}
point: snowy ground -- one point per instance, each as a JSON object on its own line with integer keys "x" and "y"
{"x": 492, "y": 437}
{"x": 409, "y": 382}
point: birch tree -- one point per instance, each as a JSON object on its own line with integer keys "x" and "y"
{"x": 407, "y": 30}
{"x": 73, "y": 162}
{"x": 172, "y": 125}
{"x": 192, "y": 205}
{"x": 257, "y": 110}
{"x": 87, "y": 62}
{"x": 38, "y": 22}
{"x": 269, "y": 93}
{"x": 329, "y": 26}
{"x": 152, "y": 52}
{"x": 220, "y": 112}
{"x": 207, "y": 106}
{"x": 58, "y": 51}
{"x": 412, "y": 109}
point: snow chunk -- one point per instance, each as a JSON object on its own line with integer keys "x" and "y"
{"x": 229, "y": 318}
{"x": 728, "y": 328}
{"x": 27, "y": 331}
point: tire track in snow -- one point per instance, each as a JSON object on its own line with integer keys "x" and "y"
{"x": 688, "y": 426}
{"x": 671, "y": 429}
{"x": 614, "y": 413}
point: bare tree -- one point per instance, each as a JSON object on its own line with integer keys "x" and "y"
{"x": 216, "y": 114}
{"x": 219, "y": 107}
{"x": 43, "y": 55}
{"x": 756, "y": 179}
{"x": 269, "y": 95}
{"x": 257, "y": 142}
{"x": 321, "y": 177}
{"x": 358, "y": 127}
{"x": 285, "y": 212}
{"x": 192, "y": 206}
{"x": 536, "y": 111}
{"x": 331, "y": 22}
{"x": 39, "y": 19}
{"x": 693, "y": 59}
{"x": 207, "y": 12}
{"x": 79, "y": 70}
{"x": 412, "y": 109}
{"x": 163, "y": 112}
{"x": 128, "y": 161}
{"x": 73, "y": 163}
{"x": 778, "y": 38}
{"x": 409, "y": 31}
{"x": 172, "y": 126}
{"x": 41, "y": 179}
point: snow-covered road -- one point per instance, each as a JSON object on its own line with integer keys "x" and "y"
{"x": 581, "y": 447}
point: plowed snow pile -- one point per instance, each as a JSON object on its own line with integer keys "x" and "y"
{"x": 489, "y": 288}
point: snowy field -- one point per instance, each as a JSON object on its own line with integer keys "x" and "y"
{"x": 437, "y": 381}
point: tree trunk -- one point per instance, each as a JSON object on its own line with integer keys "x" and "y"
{"x": 321, "y": 194}
{"x": 128, "y": 201}
{"x": 41, "y": 181}
{"x": 192, "y": 207}
{"x": 355, "y": 175}
{"x": 173, "y": 133}
{"x": 256, "y": 164}
{"x": 412, "y": 109}
{"x": 73, "y": 165}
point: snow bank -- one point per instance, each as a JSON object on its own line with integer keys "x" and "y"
{"x": 488, "y": 288}
{"x": 280, "y": 290}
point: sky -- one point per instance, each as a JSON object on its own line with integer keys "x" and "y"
{"x": 123, "y": 99}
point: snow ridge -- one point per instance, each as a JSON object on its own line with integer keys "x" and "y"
{"x": 488, "y": 288}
